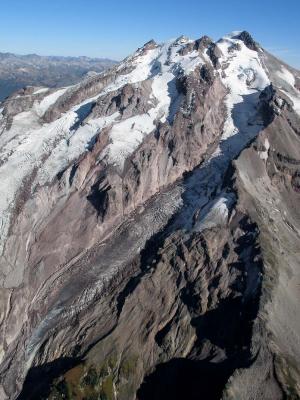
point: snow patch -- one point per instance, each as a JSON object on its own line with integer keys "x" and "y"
{"x": 22, "y": 155}
{"x": 141, "y": 70}
{"x": 190, "y": 61}
{"x": 42, "y": 90}
{"x": 71, "y": 146}
{"x": 215, "y": 214}
{"x": 295, "y": 99}
{"x": 47, "y": 101}
{"x": 245, "y": 78}
{"x": 286, "y": 75}
{"x": 126, "y": 137}
{"x": 264, "y": 154}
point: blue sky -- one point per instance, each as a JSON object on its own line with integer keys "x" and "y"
{"x": 116, "y": 28}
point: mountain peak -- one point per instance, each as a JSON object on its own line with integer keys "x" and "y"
{"x": 151, "y": 44}
{"x": 144, "y": 214}
{"x": 248, "y": 40}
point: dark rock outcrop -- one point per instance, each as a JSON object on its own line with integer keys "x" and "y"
{"x": 248, "y": 40}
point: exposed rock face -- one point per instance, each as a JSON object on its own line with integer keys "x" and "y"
{"x": 265, "y": 174}
{"x": 150, "y": 229}
{"x": 248, "y": 40}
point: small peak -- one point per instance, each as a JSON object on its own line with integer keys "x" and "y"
{"x": 247, "y": 39}
{"x": 150, "y": 45}
{"x": 147, "y": 46}
{"x": 234, "y": 34}
{"x": 200, "y": 44}
{"x": 182, "y": 39}
{"x": 204, "y": 42}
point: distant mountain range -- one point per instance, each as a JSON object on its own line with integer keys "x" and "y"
{"x": 17, "y": 71}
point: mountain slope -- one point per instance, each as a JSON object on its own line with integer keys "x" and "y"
{"x": 149, "y": 229}
{"x": 18, "y": 71}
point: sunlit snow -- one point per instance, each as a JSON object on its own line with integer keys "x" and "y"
{"x": 286, "y": 75}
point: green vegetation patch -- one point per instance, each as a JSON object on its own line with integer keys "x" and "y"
{"x": 96, "y": 382}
